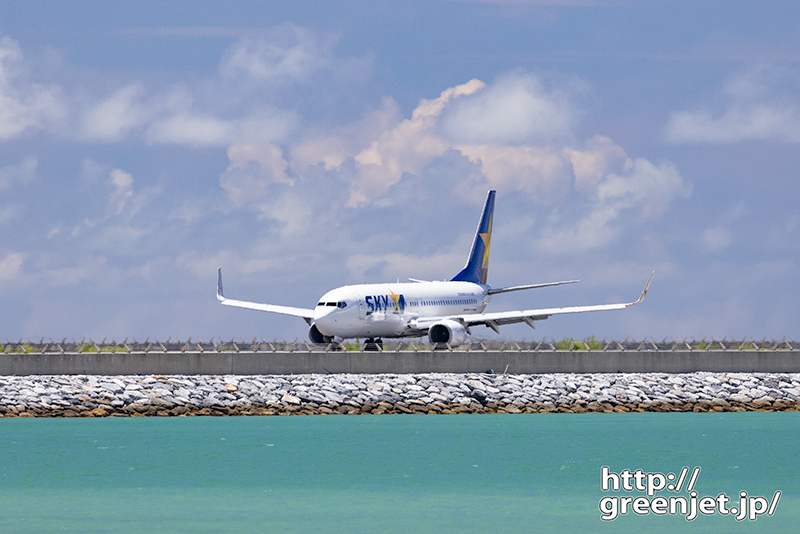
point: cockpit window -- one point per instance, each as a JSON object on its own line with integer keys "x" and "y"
{"x": 340, "y": 304}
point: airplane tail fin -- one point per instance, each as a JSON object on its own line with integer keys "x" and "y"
{"x": 477, "y": 267}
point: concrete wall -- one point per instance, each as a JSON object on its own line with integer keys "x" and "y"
{"x": 243, "y": 363}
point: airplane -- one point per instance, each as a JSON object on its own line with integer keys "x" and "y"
{"x": 444, "y": 311}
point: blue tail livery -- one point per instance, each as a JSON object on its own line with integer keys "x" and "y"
{"x": 477, "y": 268}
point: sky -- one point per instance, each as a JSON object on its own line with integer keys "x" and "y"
{"x": 306, "y": 145}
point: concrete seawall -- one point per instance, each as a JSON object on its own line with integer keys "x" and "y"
{"x": 398, "y": 362}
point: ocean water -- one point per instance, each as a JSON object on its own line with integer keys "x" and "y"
{"x": 391, "y": 473}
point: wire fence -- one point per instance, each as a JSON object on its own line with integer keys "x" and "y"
{"x": 254, "y": 346}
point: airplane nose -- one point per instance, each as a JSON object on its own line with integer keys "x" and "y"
{"x": 323, "y": 316}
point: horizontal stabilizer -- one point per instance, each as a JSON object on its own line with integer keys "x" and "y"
{"x": 532, "y": 286}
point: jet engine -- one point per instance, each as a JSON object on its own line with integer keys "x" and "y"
{"x": 451, "y": 332}
{"x": 317, "y": 337}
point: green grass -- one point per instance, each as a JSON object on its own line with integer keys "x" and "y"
{"x": 705, "y": 345}
{"x": 589, "y": 343}
{"x": 24, "y": 349}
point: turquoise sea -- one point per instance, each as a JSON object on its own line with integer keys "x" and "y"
{"x": 392, "y": 473}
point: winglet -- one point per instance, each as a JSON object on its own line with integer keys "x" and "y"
{"x": 644, "y": 293}
{"x": 220, "y": 296}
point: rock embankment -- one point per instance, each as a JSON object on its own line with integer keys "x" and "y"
{"x": 101, "y": 396}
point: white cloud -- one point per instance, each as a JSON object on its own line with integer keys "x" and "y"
{"x": 739, "y": 123}
{"x": 528, "y": 154}
{"x": 761, "y": 104}
{"x": 176, "y": 118}
{"x": 288, "y": 56}
{"x": 295, "y": 215}
{"x": 407, "y": 147}
{"x": 193, "y": 129}
{"x": 282, "y": 55}
{"x": 23, "y": 105}
{"x": 374, "y": 155}
{"x": 340, "y": 144}
{"x": 197, "y": 129}
{"x": 235, "y": 108}
{"x": 546, "y": 172}
{"x": 600, "y": 156}
{"x": 215, "y": 112}
{"x": 10, "y": 266}
{"x": 122, "y": 195}
{"x": 515, "y": 109}
{"x": 646, "y": 186}
{"x": 251, "y": 172}
{"x": 537, "y": 171}
{"x": 112, "y": 118}
{"x": 645, "y": 189}
{"x": 121, "y": 204}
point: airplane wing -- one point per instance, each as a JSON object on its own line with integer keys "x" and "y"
{"x": 493, "y": 320}
{"x": 308, "y": 315}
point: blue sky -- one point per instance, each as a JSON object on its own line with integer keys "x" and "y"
{"x": 306, "y": 145}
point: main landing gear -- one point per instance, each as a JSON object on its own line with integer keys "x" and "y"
{"x": 373, "y": 344}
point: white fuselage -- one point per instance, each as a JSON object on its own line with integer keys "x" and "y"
{"x": 390, "y": 310}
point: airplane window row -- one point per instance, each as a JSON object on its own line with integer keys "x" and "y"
{"x": 446, "y": 302}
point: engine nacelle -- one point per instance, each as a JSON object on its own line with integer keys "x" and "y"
{"x": 451, "y": 332}
{"x": 317, "y": 337}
